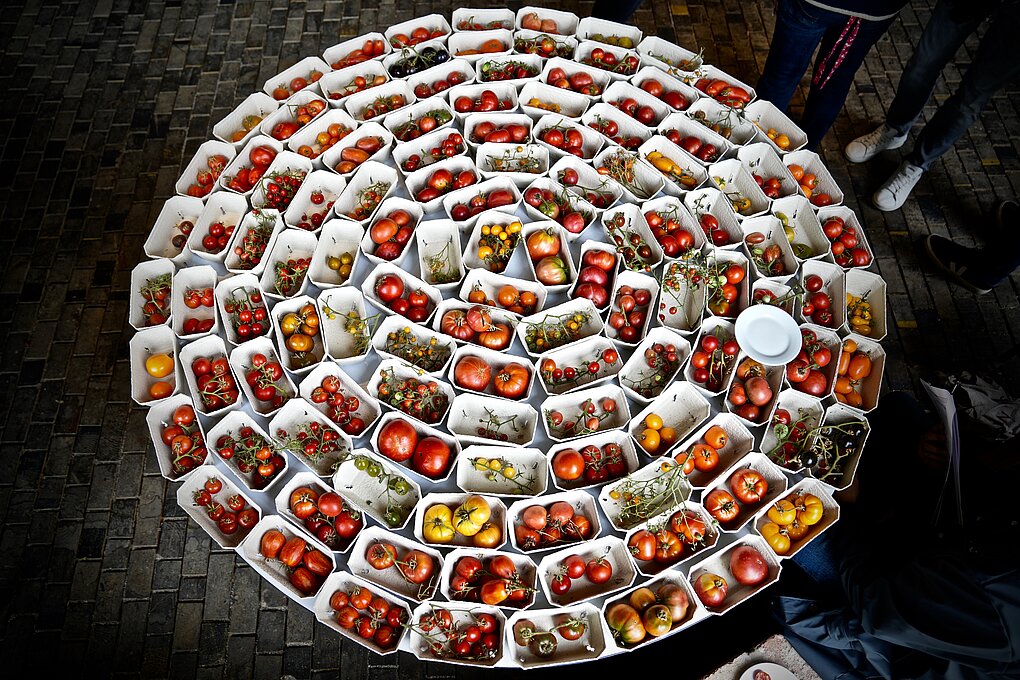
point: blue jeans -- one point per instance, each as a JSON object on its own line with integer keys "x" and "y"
{"x": 994, "y": 65}
{"x": 800, "y": 28}
{"x": 615, "y": 10}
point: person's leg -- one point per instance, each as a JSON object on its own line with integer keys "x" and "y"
{"x": 615, "y": 10}
{"x": 943, "y": 34}
{"x": 994, "y": 66}
{"x": 977, "y": 269}
{"x": 841, "y": 53}
{"x": 799, "y": 28}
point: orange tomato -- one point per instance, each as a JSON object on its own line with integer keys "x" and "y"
{"x": 159, "y": 365}
{"x": 860, "y": 366}
{"x": 706, "y": 458}
{"x": 844, "y": 361}
{"x": 853, "y": 398}
{"x": 160, "y": 389}
{"x": 796, "y": 171}
{"x": 716, "y": 437}
{"x": 650, "y": 440}
{"x": 299, "y": 342}
{"x": 507, "y": 296}
{"x": 783, "y": 512}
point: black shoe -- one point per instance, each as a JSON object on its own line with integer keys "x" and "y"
{"x": 1007, "y": 215}
{"x": 953, "y": 259}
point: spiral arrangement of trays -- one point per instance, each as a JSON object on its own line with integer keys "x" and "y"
{"x": 440, "y": 335}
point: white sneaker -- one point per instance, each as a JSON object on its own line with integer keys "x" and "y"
{"x": 870, "y": 145}
{"x": 893, "y": 194}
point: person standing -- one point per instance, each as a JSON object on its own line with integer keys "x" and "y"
{"x": 846, "y": 30}
{"x": 994, "y": 65}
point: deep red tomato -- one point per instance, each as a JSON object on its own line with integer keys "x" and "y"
{"x": 642, "y": 545}
{"x": 749, "y": 486}
{"x": 431, "y": 457}
{"x": 599, "y": 570}
{"x": 389, "y": 287}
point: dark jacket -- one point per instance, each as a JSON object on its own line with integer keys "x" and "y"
{"x": 929, "y": 615}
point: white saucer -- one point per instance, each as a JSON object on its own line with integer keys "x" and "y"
{"x": 768, "y": 334}
{"x": 775, "y": 671}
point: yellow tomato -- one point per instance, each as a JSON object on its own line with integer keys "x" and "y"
{"x": 470, "y": 515}
{"x": 290, "y": 323}
{"x": 489, "y": 536}
{"x": 650, "y": 440}
{"x": 159, "y": 365}
{"x": 797, "y": 530}
{"x": 653, "y": 421}
{"x": 776, "y": 537}
{"x": 782, "y": 512}
{"x": 437, "y": 527}
{"x": 809, "y": 509}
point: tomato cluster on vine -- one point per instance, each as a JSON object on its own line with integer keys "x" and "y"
{"x": 308, "y": 566}
{"x": 372, "y": 617}
{"x": 230, "y": 517}
{"x": 252, "y": 453}
{"x": 341, "y": 408}
{"x": 326, "y": 515}
{"x": 185, "y": 439}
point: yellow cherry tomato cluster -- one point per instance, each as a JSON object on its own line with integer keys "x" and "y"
{"x": 656, "y": 434}
{"x": 780, "y": 139}
{"x": 537, "y": 103}
{"x": 342, "y": 265}
{"x": 299, "y": 328}
{"x": 858, "y": 312}
{"x": 741, "y": 204}
{"x": 790, "y": 520}
{"x": 496, "y": 244}
{"x": 671, "y": 169}
{"x": 493, "y": 467}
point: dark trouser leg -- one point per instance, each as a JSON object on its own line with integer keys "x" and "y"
{"x": 942, "y": 37}
{"x": 896, "y": 428}
{"x": 994, "y": 65}
{"x": 829, "y": 88}
{"x": 615, "y": 10}
{"x": 994, "y": 263}
{"x": 797, "y": 33}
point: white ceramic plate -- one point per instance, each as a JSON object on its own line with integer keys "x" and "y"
{"x": 775, "y": 671}
{"x": 768, "y": 334}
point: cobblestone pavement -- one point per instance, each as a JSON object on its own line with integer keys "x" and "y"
{"x": 104, "y": 102}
